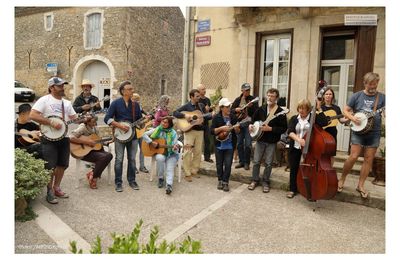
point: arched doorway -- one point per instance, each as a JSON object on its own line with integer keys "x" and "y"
{"x": 99, "y": 74}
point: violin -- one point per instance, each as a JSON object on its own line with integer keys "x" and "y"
{"x": 316, "y": 179}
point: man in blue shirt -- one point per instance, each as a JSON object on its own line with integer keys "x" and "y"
{"x": 124, "y": 109}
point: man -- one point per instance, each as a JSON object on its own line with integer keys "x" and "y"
{"x": 86, "y": 102}
{"x": 367, "y": 100}
{"x": 23, "y": 121}
{"x": 124, "y": 109}
{"x": 207, "y": 106}
{"x": 100, "y": 157}
{"x": 194, "y": 137}
{"x": 244, "y": 138}
{"x": 56, "y": 153}
{"x": 267, "y": 142}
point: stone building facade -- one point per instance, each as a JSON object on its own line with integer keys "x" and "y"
{"x": 104, "y": 44}
{"x": 289, "y": 48}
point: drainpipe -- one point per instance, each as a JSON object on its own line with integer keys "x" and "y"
{"x": 186, "y": 47}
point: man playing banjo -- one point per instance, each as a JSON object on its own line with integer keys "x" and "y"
{"x": 365, "y": 101}
{"x": 122, "y": 113}
{"x": 271, "y": 133}
{"x": 55, "y": 153}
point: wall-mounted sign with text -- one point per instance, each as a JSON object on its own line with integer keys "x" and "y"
{"x": 105, "y": 81}
{"x": 52, "y": 67}
{"x": 203, "y": 41}
{"x": 203, "y": 25}
{"x": 361, "y": 19}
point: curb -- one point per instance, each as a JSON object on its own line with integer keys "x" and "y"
{"x": 282, "y": 182}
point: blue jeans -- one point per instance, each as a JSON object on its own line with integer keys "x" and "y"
{"x": 260, "y": 149}
{"x": 244, "y": 145}
{"x": 166, "y": 164}
{"x": 141, "y": 156}
{"x": 224, "y": 164}
{"x": 131, "y": 149}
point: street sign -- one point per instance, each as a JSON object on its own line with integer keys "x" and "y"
{"x": 361, "y": 19}
{"x": 203, "y": 25}
{"x": 51, "y": 67}
{"x": 203, "y": 41}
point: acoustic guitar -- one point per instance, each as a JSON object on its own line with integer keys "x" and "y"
{"x": 27, "y": 137}
{"x": 332, "y": 118}
{"x": 148, "y": 150}
{"x": 197, "y": 119}
{"x": 81, "y": 150}
{"x": 243, "y": 111}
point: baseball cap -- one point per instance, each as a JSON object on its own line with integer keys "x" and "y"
{"x": 224, "y": 102}
{"x": 56, "y": 81}
{"x": 24, "y": 108}
{"x": 246, "y": 86}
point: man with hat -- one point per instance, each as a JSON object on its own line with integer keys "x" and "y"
{"x": 31, "y": 142}
{"x": 244, "y": 138}
{"x": 86, "y": 101}
{"x": 55, "y": 153}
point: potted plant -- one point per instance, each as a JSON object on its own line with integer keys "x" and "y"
{"x": 378, "y": 167}
{"x": 30, "y": 178}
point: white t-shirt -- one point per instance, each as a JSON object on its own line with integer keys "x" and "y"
{"x": 50, "y": 106}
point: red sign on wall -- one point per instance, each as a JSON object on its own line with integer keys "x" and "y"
{"x": 203, "y": 41}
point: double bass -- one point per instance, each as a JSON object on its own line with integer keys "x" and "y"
{"x": 316, "y": 179}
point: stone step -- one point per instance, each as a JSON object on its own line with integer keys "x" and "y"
{"x": 338, "y": 166}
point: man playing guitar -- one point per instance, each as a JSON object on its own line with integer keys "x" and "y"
{"x": 244, "y": 138}
{"x": 100, "y": 158}
{"x": 193, "y": 137}
{"x": 23, "y": 121}
{"x": 86, "y": 101}
{"x": 56, "y": 153}
{"x": 124, "y": 109}
{"x": 367, "y": 100}
{"x": 267, "y": 143}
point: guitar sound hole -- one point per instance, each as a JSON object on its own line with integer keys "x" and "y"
{"x": 194, "y": 117}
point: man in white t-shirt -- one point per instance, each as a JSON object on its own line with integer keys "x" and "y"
{"x": 55, "y": 153}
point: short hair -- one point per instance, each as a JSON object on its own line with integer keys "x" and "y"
{"x": 193, "y": 92}
{"x": 123, "y": 84}
{"x": 370, "y": 76}
{"x": 273, "y": 90}
{"x": 304, "y": 103}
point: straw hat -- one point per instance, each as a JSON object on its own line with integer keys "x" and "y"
{"x": 87, "y": 82}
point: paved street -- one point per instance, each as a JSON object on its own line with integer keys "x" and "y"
{"x": 240, "y": 221}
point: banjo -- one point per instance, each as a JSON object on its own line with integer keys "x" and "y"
{"x": 52, "y": 134}
{"x": 256, "y": 133}
{"x": 367, "y": 121}
{"x": 125, "y": 137}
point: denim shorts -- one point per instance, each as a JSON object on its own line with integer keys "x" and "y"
{"x": 368, "y": 140}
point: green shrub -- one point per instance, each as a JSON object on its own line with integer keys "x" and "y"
{"x": 129, "y": 244}
{"x": 30, "y": 175}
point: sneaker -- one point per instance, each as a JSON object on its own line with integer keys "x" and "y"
{"x": 93, "y": 183}
{"x": 143, "y": 169}
{"x": 188, "y": 178}
{"x": 134, "y": 185}
{"x": 51, "y": 198}
{"x": 160, "y": 183}
{"x": 246, "y": 166}
{"x": 225, "y": 187}
{"x": 252, "y": 185}
{"x": 118, "y": 188}
{"x": 219, "y": 186}
{"x": 59, "y": 193}
{"x": 168, "y": 190}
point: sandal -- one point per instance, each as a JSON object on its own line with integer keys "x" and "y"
{"x": 252, "y": 185}
{"x": 364, "y": 194}
{"x": 340, "y": 188}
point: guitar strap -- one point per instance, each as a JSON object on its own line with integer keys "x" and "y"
{"x": 271, "y": 113}
{"x": 133, "y": 110}
{"x": 376, "y": 101}
{"x": 62, "y": 109}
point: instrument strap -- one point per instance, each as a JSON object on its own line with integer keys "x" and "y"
{"x": 62, "y": 109}
{"x": 271, "y": 113}
{"x": 376, "y": 101}
{"x": 133, "y": 110}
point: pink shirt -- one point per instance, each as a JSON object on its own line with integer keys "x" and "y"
{"x": 160, "y": 113}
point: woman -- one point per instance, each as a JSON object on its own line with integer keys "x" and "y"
{"x": 327, "y": 104}
{"x": 169, "y": 159}
{"x": 161, "y": 110}
{"x": 224, "y": 150}
{"x": 298, "y": 126}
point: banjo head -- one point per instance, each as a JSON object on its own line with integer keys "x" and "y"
{"x": 122, "y": 136}
{"x": 53, "y": 134}
{"x": 364, "y": 122}
{"x": 256, "y": 130}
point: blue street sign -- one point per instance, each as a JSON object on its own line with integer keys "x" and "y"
{"x": 203, "y": 25}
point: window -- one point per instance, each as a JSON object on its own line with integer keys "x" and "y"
{"x": 275, "y": 61}
{"x": 48, "y": 19}
{"x": 163, "y": 84}
{"x": 93, "y": 30}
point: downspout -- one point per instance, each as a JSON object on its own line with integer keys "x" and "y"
{"x": 186, "y": 47}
